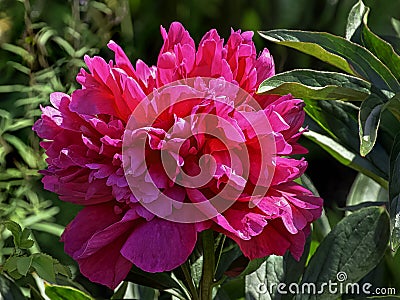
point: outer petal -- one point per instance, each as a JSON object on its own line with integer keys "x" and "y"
{"x": 107, "y": 266}
{"x": 273, "y": 240}
{"x": 160, "y": 245}
{"x": 94, "y": 239}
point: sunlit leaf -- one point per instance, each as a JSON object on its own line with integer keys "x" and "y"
{"x": 57, "y": 292}
{"x": 339, "y": 52}
{"x": 357, "y": 22}
{"x": 316, "y": 85}
{"x": 369, "y": 118}
{"x": 354, "y": 20}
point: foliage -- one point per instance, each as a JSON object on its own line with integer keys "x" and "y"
{"x": 354, "y": 115}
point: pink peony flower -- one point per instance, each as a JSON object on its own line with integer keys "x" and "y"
{"x": 107, "y": 141}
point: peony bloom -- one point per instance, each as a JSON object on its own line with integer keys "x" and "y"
{"x": 130, "y": 144}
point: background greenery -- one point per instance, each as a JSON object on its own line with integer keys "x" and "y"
{"x": 42, "y": 44}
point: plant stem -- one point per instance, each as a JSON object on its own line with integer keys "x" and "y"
{"x": 189, "y": 280}
{"x": 207, "y": 278}
{"x": 219, "y": 249}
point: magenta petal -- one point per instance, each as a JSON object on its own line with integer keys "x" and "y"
{"x": 89, "y": 220}
{"x": 160, "y": 245}
{"x": 107, "y": 266}
{"x": 273, "y": 240}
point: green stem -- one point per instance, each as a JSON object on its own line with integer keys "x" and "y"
{"x": 219, "y": 249}
{"x": 207, "y": 278}
{"x": 189, "y": 280}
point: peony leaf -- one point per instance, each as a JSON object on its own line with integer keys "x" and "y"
{"x": 339, "y": 119}
{"x": 365, "y": 189}
{"x": 316, "y": 85}
{"x": 368, "y": 119}
{"x": 160, "y": 281}
{"x": 357, "y": 30}
{"x": 58, "y": 292}
{"x": 351, "y": 250}
{"x": 259, "y": 284}
{"x": 354, "y": 20}
{"x": 393, "y": 105}
{"x": 394, "y": 193}
{"x": 339, "y": 52}
{"x": 381, "y": 49}
{"x": 346, "y": 157}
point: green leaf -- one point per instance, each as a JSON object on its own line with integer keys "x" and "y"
{"x": 338, "y": 52}
{"x": 396, "y": 26}
{"x": 354, "y": 247}
{"x": 358, "y": 19}
{"x": 339, "y": 119}
{"x": 380, "y": 48}
{"x": 64, "y": 45}
{"x": 26, "y": 152}
{"x": 19, "y": 124}
{"x": 44, "y": 266}
{"x": 24, "y": 54}
{"x": 354, "y": 20}
{"x": 120, "y": 292}
{"x": 14, "y": 88}
{"x": 25, "y": 242}
{"x": 51, "y": 228}
{"x": 196, "y": 270}
{"x": 259, "y": 285}
{"x": 294, "y": 269}
{"x": 57, "y": 292}
{"x": 369, "y": 118}
{"x": 393, "y": 105}
{"x": 394, "y": 193}
{"x": 364, "y": 189}
{"x": 160, "y": 281}
{"x": 345, "y": 156}
{"x": 316, "y": 85}
{"x": 23, "y": 264}
{"x": 15, "y": 229}
{"x": 9, "y": 290}
{"x": 11, "y": 264}
{"x": 61, "y": 269}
